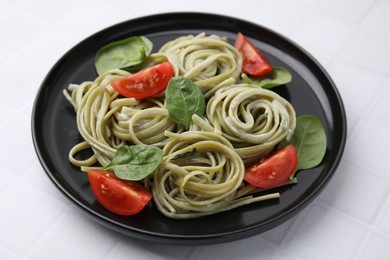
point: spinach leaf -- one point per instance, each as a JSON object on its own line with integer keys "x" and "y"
{"x": 135, "y": 162}
{"x": 184, "y": 99}
{"x": 278, "y": 76}
{"x": 310, "y": 141}
{"x": 122, "y": 54}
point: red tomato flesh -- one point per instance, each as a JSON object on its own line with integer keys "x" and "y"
{"x": 146, "y": 83}
{"x": 254, "y": 62}
{"x": 118, "y": 196}
{"x": 274, "y": 170}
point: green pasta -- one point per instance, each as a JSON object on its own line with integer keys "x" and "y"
{"x": 203, "y": 167}
{"x": 206, "y": 60}
{"x": 201, "y": 184}
{"x": 253, "y": 119}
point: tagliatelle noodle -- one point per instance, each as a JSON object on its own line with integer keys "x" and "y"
{"x": 206, "y": 60}
{"x": 107, "y": 121}
{"x": 205, "y": 182}
{"x": 253, "y": 119}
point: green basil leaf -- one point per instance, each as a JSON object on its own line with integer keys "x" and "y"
{"x": 278, "y": 76}
{"x": 135, "y": 162}
{"x": 309, "y": 139}
{"x": 184, "y": 99}
{"x": 122, "y": 54}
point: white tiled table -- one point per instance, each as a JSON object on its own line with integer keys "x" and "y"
{"x": 349, "y": 220}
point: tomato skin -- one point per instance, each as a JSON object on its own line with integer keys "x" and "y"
{"x": 274, "y": 170}
{"x": 145, "y": 83}
{"x": 254, "y": 62}
{"x": 118, "y": 196}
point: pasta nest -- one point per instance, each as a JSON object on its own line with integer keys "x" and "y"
{"x": 206, "y": 60}
{"x": 253, "y": 119}
{"x": 201, "y": 174}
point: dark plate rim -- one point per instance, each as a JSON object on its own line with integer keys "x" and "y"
{"x": 190, "y": 239}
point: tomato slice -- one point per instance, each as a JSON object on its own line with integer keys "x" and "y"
{"x": 254, "y": 62}
{"x": 274, "y": 170}
{"x": 145, "y": 83}
{"x": 118, "y": 196}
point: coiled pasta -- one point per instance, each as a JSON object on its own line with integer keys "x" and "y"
{"x": 253, "y": 119}
{"x": 203, "y": 167}
{"x": 206, "y": 181}
{"x": 107, "y": 122}
{"x": 206, "y": 60}
{"x": 91, "y": 101}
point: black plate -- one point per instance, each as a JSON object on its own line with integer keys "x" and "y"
{"x": 311, "y": 92}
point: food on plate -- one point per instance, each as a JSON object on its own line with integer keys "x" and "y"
{"x": 194, "y": 127}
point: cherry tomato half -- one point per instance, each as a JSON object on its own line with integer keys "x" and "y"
{"x": 254, "y": 62}
{"x": 118, "y": 196}
{"x": 145, "y": 83}
{"x": 274, "y": 170}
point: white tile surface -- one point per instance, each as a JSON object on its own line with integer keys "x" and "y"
{"x": 4, "y": 7}
{"x": 383, "y": 217}
{"x": 19, "y": 159}
{"x": 23, "y": 223}
{"x": 62, "y": 242}
{"x": 85, "y": 21}
{"x": 49, "y": 10}
{"x": 36, "y": 176}
{"x": 276, "y": 236}
{"x": 54, "y": 41}
{"x": 382, "y": 105}
{"x": 285, "y": 26}
{"x": 350, "y": 218}
{"x": 363, "y": 149}
{"x": 312, "y": 35}
{"x": 122, "y": 250}
{"x": 328, "y": 230}
{"x": 235, "y": 250}
{"x": 377, "y": 21}
{"x": 350, "y": 79}
{"x": 19, "y": 81}
{"x": 348, "y": 10}
{"x": 6, "y": 182}
{"x": 370, "y": 53}
{"x": 345, "y": 192}
{"x": 20, "y": 27}
{"x": 4, "y": 55}
{"x": 5, "y": 112}
{"x": 4, "y": 253}
{"x": 376, "y": 248}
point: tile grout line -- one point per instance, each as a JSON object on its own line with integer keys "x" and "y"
{"x": 42, "y": 236}
{"x": 385, "y": 202}
{"x": 369, "y": 228}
